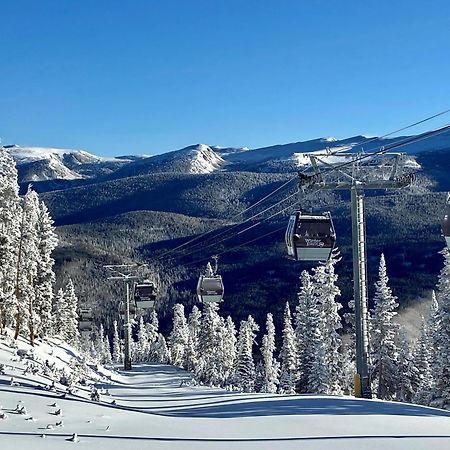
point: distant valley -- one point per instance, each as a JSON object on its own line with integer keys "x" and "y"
{"x": 135, "y": 208}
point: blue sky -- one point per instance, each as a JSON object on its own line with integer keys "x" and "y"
{"x": 149, "y": 76}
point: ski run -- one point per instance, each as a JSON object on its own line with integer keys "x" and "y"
{"x": 208, "y": 383}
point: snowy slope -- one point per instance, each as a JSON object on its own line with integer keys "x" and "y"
{"x": 195, "y": 159}
{"x": 155, "y": 407}
{"x": 40, "y": 163}
{"x": 289, "y": 156}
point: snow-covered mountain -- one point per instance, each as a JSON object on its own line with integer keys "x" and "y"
{"x": 195, "y": 159}
{"x": 40, "y": 163}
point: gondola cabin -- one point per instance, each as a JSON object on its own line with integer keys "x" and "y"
{"x": 85, "y": 320}
{"x": 310, "y": 238}
{"x": 210, "y": 289}
{"x": 446, "y": 223}
{"x": 145, "y": 294}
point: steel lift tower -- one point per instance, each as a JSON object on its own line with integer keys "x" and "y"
{"x": 126, "y": 273}
{"x": 357, "y": 172}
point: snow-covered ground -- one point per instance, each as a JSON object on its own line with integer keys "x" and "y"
{"x": 157, "y": 407}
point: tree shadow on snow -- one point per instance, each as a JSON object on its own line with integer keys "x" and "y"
{"x": 306, "y": 406}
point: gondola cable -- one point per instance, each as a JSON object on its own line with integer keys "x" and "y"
{"x": 196, "y": 238}
{"x": 383, "y": 149}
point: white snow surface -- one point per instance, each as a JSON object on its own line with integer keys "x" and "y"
{"x": 204, "y": 160}
{"x": 157, "y": 407}
{"x": 56, "y": 159}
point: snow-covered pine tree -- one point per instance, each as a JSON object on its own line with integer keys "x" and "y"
{"x": 319, "y": 372}
{"x": 441, "y": 387}
{"x": 245, "y": 365}
{"x": 325, "y": 290}
{"x": 26, "y": 266}
{"x": 152, "y": 328}
{"x": 307, "y": 319}
{"x": 227, "y": 352}
{"x": 271, "y": 368}
{"x": 179, "y": 336}
{"x": 108, "y": 356}
{"x": 9, "y": 237}
{"x": 288, "y": 355}
{"x": 162, "y": 352}
{"x": 209, "y": 370}
{"x": 59, "y": 313}
{"x": 47, "y": 241}
{"x": 383, "y": 332}
{"x": 142, "y": 344}
{"x": 421, "y": 360}
{"x": 407, "y": 373}
{"x": 100, "y": 344}
{"x": 70, "y": 331}
{"x": 194, "y": 324}
{"x": 117, "y": 354}
{"x": 349, "y": 351}
{"x": 433, "y": 330}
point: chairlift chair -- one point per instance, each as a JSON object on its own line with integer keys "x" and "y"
{"x": 145, "y": 294}
{"x": 310, "y": 238}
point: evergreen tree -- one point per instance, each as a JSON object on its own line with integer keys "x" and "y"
{"x": 194, "y": 324}
{"x": 117, "y": 354}
{"x": 424, "y": 356}
{"x": 227, "y": 351}
{"x": 407, "y": 373}
{"x": 318, "y": 375}
{"x": 288, "y": 355}
{"x": 100, "y": 345}
{"x": 245, "y": 365}
{"x": 45, "y": 277}
{"x": 26, "y": 266}
{"x": 179, "y": 336}
{"x": 384, "y": 332}
{"x": 271, "y": 367}
{"x": 440, "y": 396}
{"x": 162, "y": 351}
{"x": 152, "y": 334}
{"x": 70, "y": 331}
{"x": 326, "y": 291}
{"x": 142, "y": 345}
{"x": 9, "y": 237}
{"x": 348, "y": 368}
{"x": 307, "y": 321}
{"x": 59, "y": 313}
{"x": 209, "y": 370}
